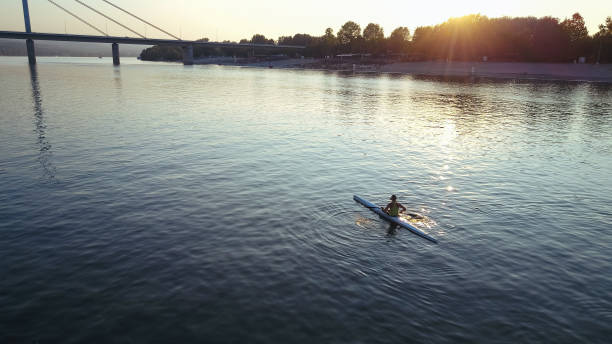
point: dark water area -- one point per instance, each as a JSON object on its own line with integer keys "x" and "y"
{"x": 156, "y": 203}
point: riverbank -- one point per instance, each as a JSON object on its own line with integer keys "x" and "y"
{"x": 512, "y": 70}
{"x": 505, "y": 70}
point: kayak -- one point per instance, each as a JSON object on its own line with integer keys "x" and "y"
{"x": 396, "y": 220}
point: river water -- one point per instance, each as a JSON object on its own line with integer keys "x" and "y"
{"x": 160, "y": 203}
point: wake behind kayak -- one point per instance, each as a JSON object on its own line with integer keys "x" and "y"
{"x": 396, "y": 220}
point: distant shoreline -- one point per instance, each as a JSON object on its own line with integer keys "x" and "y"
{"x": 601, "y": 73}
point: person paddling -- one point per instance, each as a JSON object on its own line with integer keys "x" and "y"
{"x": 393, "y": 208}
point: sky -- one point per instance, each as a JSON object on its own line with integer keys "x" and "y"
{"x": 237, "y": 19}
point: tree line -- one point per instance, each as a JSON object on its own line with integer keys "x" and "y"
{"x": 467, "y": 38}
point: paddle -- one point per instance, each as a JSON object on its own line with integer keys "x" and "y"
{"x": 415, "y": 215}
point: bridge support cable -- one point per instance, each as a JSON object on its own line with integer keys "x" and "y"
{"x": 142, "y": 20}
{"x": 26, "y": 15}
{"x": 109, "y": 18}
{"x": 77, "y": 17}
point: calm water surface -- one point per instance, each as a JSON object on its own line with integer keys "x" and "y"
{"x": 162, "y": 203}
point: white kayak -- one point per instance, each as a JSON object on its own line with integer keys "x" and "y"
{"x": 396, "y": 220}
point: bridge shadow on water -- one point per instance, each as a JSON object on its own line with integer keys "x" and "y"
{"x": 40, "y": 127}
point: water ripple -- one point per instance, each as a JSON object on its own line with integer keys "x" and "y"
{"x": 159, "y": 203}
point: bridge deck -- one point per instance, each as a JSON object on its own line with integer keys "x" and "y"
{"x": 130, "y": 40}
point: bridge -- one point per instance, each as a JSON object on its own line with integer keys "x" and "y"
{"x": 186, "y": 45}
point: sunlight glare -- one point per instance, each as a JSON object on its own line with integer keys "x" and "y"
{"x": 435, "y": 13}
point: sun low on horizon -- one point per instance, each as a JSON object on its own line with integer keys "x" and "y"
{"x": 239, "y": 19}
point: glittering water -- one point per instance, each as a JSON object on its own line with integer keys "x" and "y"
{"x": 162, "y": 203}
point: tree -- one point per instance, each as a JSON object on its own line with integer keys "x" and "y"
{"x": 374, "y": 38}
{"x": 422, "y": 33}
{"x": 575, "y": 28}
{"x": 162, "y": 53}
{"x": 349, "y": 34}
{"x": 579, "y": 41}
{"x": 261, "y": 39}
{"x": 373, "y": 32}
{"x": 422, "y": 40}
{"x": 401, "y": 33}
{"x": 399, "y": 39}
{"x": 471, "y": 37}
{"x": 285, "y": 40}
{"x": 603, "y": 40}
{"x": 605, "y": 29}
{"x": 297, "y": 39}
{"x": 328, "y": 42}
{"x": 302, "y": 39}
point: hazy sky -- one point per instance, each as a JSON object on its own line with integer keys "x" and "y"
{"x": 236, "y": 19}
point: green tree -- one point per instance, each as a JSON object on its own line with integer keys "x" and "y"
{"x": 575, "y": 28}
{"x": 603, "y": 41}
{"x": 422, "y": 40}
{"x": 328, "y": 42}
{"x": 422, "y": 33}
{"x": 349, "y": 34}
{"x": 261, "y": 39}
{"x": 373, "y": 32}
{"x": 579, "y": 41}
{"x": 399, "y": 39}
{"x": 374, "y": 38}
{"x": 329, "y": 35}
{"x": 605, "y": 29}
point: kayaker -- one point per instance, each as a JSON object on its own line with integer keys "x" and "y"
{"x": 393, "y": 208}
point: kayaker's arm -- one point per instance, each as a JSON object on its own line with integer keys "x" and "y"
{"x": 403, "y": 209}
{"x": 386, "y": 209}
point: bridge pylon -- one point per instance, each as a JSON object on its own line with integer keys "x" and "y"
{"x": 188, "y": 55}
{"x": 115, "y": 54}
{"x": 28, "y": 28}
